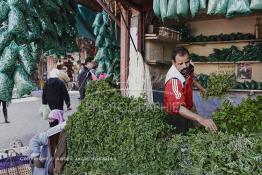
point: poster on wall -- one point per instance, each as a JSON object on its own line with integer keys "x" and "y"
{"x": 244, "y": 71}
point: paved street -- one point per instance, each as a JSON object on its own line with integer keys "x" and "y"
{"x": 25, "y": 119}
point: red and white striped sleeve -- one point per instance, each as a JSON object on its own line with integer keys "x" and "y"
{"x": 173, "y": 96}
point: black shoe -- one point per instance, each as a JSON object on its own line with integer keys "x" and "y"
{"x": 6, "y": 121}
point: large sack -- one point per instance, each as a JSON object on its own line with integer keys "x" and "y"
{"x": 8, "y": 59}
{"x": 182, "y": 8}
{"x": 256, "y": 5}
{"x": 194, "y": 7}
{"x": 5, "y": 38}
{"x": 171, "y": 9}
{"x": 236, "y": 7}
{"x": 26, "y": 59}
{"x": 22, "y": 81}
{"x": 6, "y": 87}
{"x": 4, "y": 11}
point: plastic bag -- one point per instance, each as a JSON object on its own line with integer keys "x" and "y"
{"x": 237, "y": 7}
{"x": 6, "y": 87}
{"x": 4, "y": 10}
{"x": 194, "y": 7}
{"x": 17, "y": 24}
{"x": 202, "y": 4}
{"x": 212, "y": 5}
{"x": 8, "y": 59}
{"x": 5, "y": 38}
{"x": 182, "y": 8}
{"x": 156, "y": 8}
{"x": 221, "y": 7}
{"x": 163, "y": 9}
{"x": 21, "y": 79}
{"x": 44, "y": 111}
{"x": 171, "y": 9}
{"x": 26, "y": 59}
{"x": 20, "y": 4}
{"x": 256, "y": 5}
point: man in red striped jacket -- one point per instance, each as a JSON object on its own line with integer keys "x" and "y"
{"x": 178, "y": 95}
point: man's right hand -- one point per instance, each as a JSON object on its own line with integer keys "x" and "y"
{"x": 208, "y": 124}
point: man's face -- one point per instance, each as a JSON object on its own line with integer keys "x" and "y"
{"x": 182, "y": 62}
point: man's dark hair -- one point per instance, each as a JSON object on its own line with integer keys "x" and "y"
{"x": 181, "y": 51}
{"x": 88, "y": 59}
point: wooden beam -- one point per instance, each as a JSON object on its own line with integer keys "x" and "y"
{"x": 109, "y": 12}
{"x": 124, "y": 51}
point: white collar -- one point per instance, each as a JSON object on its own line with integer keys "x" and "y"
{"x": 174, "y": 73}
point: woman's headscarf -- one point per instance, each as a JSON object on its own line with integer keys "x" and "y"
{"x": 57, "y": 114}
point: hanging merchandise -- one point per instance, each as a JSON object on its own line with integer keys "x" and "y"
{"x": 221, "y": 8}
{"x": 194, "y": 7}
{"x": 171, "y": 9}
{"x": 156, "y": 8}
{"x": 6, "y": 87}
{"x": 20, "y": 4}
{"x": 108, "y": 46}
{"x": 182, "y": 8}
{"x": 8, "y": 59}
{"x": 202, "y": 4}
{"x": 236, "y": 7}
{"x": 22, "y": 82}
{"x": 212, "y": 5}
{"x": 26, "y": 59}
{"x": 17, "y": 25}
{"x": 163, "y": 9}
{"x": 4, "y": 10}
{"x": 256, "y": 5}
{"x": 139, "y": 79}
{"x": 5, "y": 38}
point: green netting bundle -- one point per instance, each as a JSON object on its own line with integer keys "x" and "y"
{"x": 171, "y": 9}
{"x": 6, "y": 87}
{"x": 36, "y": 50}
{"x": 8, "y": 59}
{"x": 237, "y": 7}
{"x": 107, "y": 42}
{"x": 202, "y": 4}
{"x": 4, "y": 10}
{"x": 221, "y": 8}
{"x": 110, "y": 54}
{"x": 50, "y": 6}
{"x": 182, "y": 8}
{"x": 26, "y": 59}
{"x": 212, "y": 5}
{"x": 163, "y": 9}
{"x": 50, "y": 42}
{"x": 22, "y": 82}
{"x": 34, "y": 28}
{"x": 106, "y": 19}
{"x": 256, "y": 5}
{"x": 103, "y": 30}
{"x": 60, "y": 3}
{"x": 17, "y": 24}
{"x": 5, "y": 38}
{"x": 45, "y": 22}
{"x": 98, "y": 20}
{"x": 194, "y": 7}
{"x": 32, "y": 3}
{"x": 96, "y": 31}
{"x": 20, "y": 4}
{"x": 59, "y": 26}
{"x": 156, "y": 8}
{"x": 99, "y": 41}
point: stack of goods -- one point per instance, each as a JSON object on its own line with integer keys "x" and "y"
{"x": 28, "y": 28}
{"x": 108, "y": 54}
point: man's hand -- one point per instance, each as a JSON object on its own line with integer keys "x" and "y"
{"x": 208, "y": 123}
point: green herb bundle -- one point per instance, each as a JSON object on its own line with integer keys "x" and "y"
{"x": 219, "y": 84}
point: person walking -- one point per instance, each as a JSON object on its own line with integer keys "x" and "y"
{"x": 4, "y": 106}
{"x": 55, "y": 93}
